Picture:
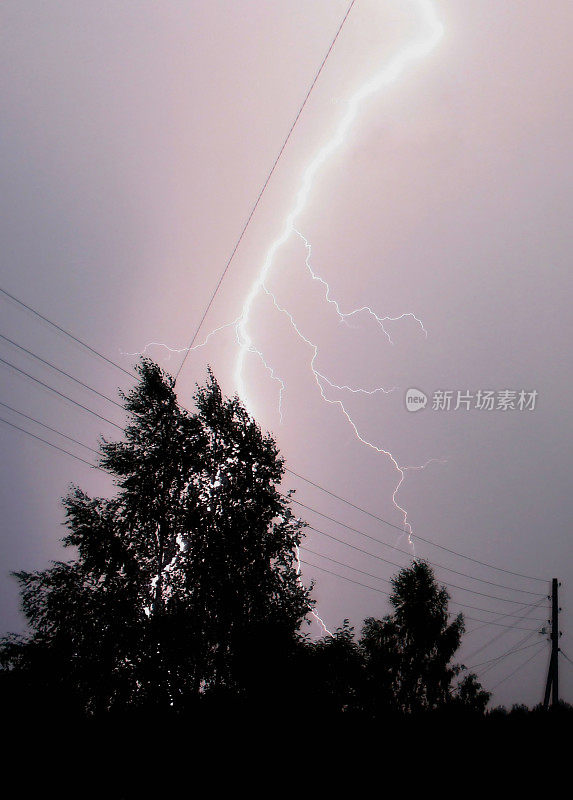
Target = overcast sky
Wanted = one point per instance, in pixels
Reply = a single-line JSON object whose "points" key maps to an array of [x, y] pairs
{"points": [[135, 137]]}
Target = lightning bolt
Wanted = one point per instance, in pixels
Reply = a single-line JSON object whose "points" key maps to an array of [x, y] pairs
{"points": [[313, 613], [179, 350], [345, 316], [421, 47], [431, 31]]}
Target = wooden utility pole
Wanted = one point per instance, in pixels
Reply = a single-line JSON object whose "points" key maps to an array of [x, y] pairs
{"points": [[552, 685]]}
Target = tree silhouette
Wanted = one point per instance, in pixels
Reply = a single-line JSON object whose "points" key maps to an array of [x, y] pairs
{"points": [[177, 577], [331, 673], [470, 695], [408, 654]]}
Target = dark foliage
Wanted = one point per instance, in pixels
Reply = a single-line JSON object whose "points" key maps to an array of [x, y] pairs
{"points": [[401, 664], [409, 653], [180, 577], [184, 602]]}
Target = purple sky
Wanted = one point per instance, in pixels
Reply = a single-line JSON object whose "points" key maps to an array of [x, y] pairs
{"points": [[135, 139]]}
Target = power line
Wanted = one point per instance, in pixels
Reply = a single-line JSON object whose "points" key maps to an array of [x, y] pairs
{"points": [[54, 430], [61, 371], [262, 191], [302, 561], [523, 616], [45, 441], [511, 674], [514, 649], [501, 625], [313, 483], [397, 549], [323, 533], [381, 591], [492, 666], [494, 662], [67, 333], [482, 623], [91, 388], [65, 396], [512, 626], [400, 566], [344, 578], [516, 646], [421, 538], [343, 564], [377, 577], [385, 580], [292, 472]]}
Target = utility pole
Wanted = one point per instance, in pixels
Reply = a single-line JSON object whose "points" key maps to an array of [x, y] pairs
{"points": [[552, 685]]}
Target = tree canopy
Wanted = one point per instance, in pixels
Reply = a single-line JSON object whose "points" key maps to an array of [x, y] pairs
{"points": [[185, 586], [181, 573], [409, 653], [400, 665]]}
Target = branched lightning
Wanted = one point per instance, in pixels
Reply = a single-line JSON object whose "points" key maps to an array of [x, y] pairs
{"points": [[344, 317], [431, 31], [422, 46], [179, 350]]}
